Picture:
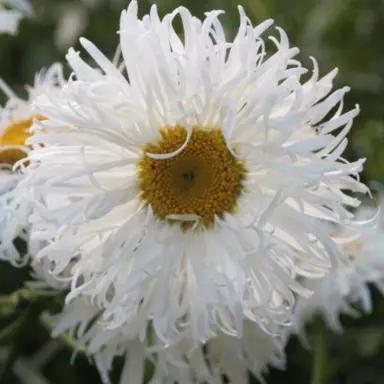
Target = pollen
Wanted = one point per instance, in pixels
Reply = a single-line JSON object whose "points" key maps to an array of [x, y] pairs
{"points": [[12, 137], [205, 179]]}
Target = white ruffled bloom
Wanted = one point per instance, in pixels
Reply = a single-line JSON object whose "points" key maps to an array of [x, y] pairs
{"points": [[200, 176], [346, 290], [181, 363], [11, 13], [16, 117]]}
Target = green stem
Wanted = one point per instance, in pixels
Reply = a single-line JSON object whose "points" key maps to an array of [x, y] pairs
{"points": [[10, 332], [6, 369], [19, 308], [320, 355], [64, 338], [11, 301]]}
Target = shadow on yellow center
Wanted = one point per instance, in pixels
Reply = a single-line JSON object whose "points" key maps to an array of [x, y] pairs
{"points": [[205, 179], [15, 135]]}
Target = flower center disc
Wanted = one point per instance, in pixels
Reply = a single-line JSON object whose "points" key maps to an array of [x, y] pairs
{"points": [[204, 179], [14, 135]]}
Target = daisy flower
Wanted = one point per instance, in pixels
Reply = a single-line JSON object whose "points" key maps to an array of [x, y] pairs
{"points": [[16, 117], [190, 184], [346, 290], [223, 358], [11, 12]]}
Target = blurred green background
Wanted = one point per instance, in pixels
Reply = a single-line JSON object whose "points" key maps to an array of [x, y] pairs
{"points": [[347, 34]]}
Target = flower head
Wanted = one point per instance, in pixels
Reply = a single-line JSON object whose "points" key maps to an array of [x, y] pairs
{"points": [[16, 118], [191, 184], [346, 290]]}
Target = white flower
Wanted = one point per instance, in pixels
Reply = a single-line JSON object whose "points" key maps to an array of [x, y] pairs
{"points": [[200, 176], [346, 290], [223, 356], [10, 17], [16, 117]]}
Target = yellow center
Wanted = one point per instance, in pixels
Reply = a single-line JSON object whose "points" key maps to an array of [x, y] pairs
{"points": [[204, 179], [14, 135]]}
